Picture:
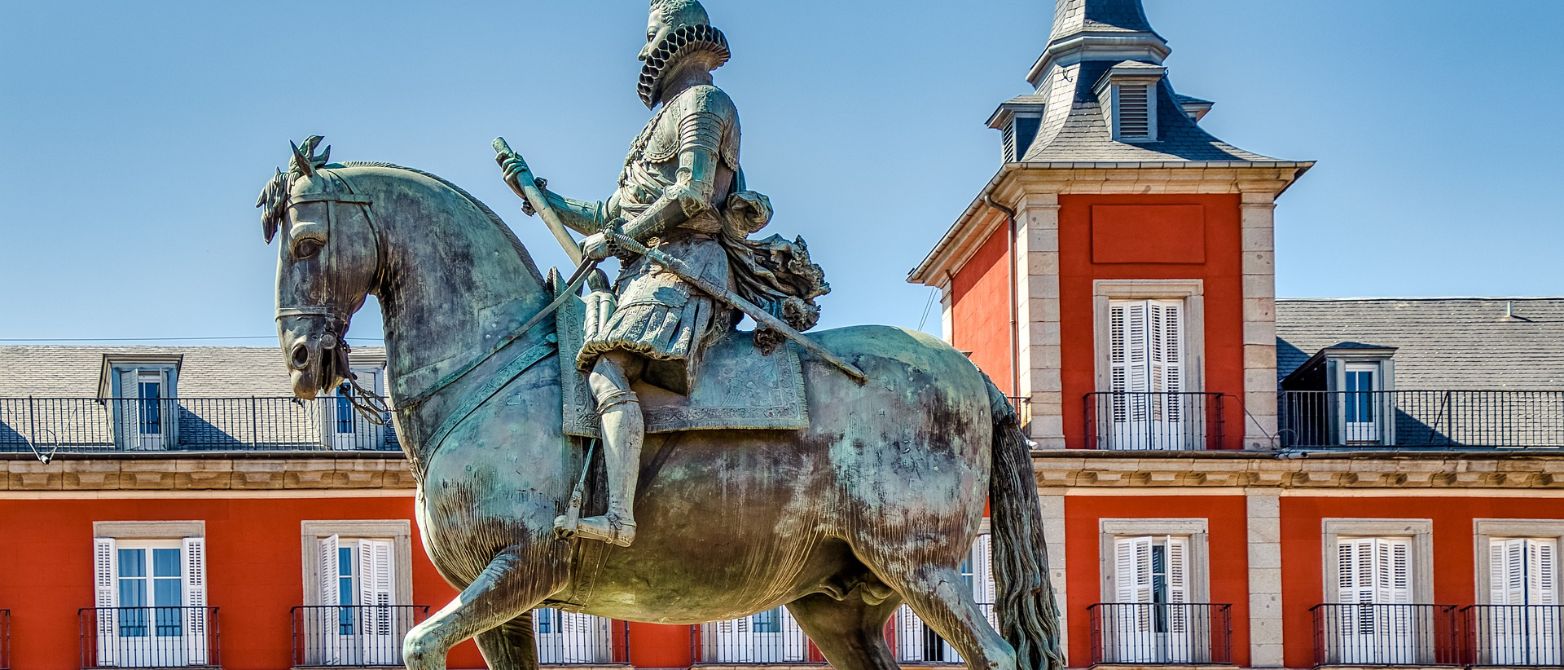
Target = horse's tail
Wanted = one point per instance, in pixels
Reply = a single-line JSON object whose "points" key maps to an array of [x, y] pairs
{"points": [[1028, 615]]}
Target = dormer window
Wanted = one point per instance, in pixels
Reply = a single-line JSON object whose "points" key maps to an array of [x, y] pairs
{"points": [[1019, 119], [1132, 113], [1343, 396], [1128, 96], [141, 396]]}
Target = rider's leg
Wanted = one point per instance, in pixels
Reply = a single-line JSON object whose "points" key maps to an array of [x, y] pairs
{"points": [[624, 431]]}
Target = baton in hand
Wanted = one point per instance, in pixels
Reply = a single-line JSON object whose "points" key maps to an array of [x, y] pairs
{"points": [[525, 185]]}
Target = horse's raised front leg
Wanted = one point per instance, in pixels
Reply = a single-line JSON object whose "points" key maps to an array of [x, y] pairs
{"points": [[850, 633], [510, 646], [512, 584]]}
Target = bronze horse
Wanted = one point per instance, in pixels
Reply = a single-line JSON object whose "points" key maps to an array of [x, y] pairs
{"points": [[874, 504]]}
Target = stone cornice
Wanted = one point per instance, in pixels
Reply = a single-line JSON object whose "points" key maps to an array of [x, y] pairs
{"points": [[1083, 469], [204, 474], [1016, 180]]}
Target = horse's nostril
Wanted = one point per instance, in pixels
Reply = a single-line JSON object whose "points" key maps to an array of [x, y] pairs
{"points": [[301, 356]]}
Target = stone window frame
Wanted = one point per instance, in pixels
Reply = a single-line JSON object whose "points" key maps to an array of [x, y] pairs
{"points": [[399, 531], [1196, 529], [1191, 291], [1485, 530], [149, 530], [1420, 530]]}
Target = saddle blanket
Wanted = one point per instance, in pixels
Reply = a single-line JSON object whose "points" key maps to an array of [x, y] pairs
{"points": [[736, 387]]}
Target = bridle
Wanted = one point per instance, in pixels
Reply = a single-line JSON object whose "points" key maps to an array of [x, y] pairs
{"points": [[364, 401]]}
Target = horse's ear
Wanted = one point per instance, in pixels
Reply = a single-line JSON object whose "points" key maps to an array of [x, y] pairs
{"points": [[301, 162]]}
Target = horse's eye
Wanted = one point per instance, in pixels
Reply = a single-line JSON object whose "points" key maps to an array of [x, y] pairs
{"points": [[306, 249]]}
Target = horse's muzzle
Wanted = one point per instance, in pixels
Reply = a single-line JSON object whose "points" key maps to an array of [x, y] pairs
{"points": [[311, 351]]}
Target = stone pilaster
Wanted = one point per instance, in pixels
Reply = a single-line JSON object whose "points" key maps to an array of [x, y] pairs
{"points": [[1037, 298], [1259, 286], [1265, 581], [947, 322], [1053, 537]]}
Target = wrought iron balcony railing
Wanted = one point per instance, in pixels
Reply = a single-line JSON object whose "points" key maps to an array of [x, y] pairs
{"points": [[1515, 635], [1422, 419], [1161, 633], [768, 638], [915, 643], [1370, 634], [1151, 421], [569, 638], [129, 425], [360, 636], [148, 637]]}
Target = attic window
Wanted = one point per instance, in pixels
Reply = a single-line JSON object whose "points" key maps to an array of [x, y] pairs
{"points": [[1134, 119]]}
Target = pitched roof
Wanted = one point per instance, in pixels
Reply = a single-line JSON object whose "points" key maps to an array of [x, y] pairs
{"points": [[1441, 343], [47, 371], [1075, 127]]}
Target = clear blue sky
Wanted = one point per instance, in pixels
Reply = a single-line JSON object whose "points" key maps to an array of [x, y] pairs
{"points": [[135, 136]]}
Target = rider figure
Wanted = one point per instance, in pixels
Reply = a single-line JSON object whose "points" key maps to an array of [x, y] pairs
{"points": [[674, 194]]}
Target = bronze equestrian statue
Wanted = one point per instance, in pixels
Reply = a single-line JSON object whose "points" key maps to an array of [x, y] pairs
{"points": [[872, 502], [682, 187]]}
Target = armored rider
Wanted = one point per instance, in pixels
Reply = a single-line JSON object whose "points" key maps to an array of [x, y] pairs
{"points": [[680, 191]]}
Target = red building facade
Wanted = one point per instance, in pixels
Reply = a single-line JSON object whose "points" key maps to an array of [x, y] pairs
{"points": [[1229, 479]]}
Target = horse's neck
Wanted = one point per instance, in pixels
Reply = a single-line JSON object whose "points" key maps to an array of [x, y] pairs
{"points": [[454, 288]]}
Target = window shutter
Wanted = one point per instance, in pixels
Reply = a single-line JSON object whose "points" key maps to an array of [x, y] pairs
{"points": [[323, 626], [375, 598], [792, 637], [1118, 358], [1134, 108], [1168, 353], [106, 598], [1549, 644], [1179, 634], [909, 634], [1400, 570], [983, 587], [195, 600], [1545, 590], [1507, 572], [127, 409]]}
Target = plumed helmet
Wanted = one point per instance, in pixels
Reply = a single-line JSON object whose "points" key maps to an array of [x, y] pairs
{"points": [[677, 30]]}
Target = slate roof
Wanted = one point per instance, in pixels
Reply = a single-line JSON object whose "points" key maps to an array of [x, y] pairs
{"points": [[205, 372], [1441, 343], [1101, 16], [1075, 128]]}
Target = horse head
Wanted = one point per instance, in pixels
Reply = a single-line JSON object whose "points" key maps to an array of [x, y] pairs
{"points": [[328, 262]]}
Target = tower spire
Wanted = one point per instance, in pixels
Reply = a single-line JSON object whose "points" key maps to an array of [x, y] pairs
{"points": [[1109, 30]]}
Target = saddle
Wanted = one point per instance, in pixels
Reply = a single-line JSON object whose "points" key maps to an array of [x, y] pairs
{"points": [[736, 386]]}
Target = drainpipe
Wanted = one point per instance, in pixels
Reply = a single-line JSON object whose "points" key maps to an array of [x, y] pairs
{"points": [[1015, 333]]}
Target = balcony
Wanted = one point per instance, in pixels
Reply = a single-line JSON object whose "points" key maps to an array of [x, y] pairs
{"points": [[148, 637], [1515, 635], [359, 636], [915, 643], [1154, 421], [570, 638], [126, 425], [1358, 634], [1161, 634], [1422, 419], [772, 637]]}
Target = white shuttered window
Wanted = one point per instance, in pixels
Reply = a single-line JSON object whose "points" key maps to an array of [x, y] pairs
{"points": [[1146, 358], [1523, 625], [1374, 622]]}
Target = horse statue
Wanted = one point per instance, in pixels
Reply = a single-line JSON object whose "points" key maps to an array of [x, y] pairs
{"points": [[874, 503]]}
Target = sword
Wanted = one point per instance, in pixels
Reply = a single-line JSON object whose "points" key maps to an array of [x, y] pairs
{"points": [[525, 185], [731, 299]]}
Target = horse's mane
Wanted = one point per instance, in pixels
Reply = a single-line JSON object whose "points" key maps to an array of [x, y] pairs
{"points": [[526, 257]]}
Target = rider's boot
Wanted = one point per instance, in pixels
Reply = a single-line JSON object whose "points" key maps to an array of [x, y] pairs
{"points": [[624, 431]]}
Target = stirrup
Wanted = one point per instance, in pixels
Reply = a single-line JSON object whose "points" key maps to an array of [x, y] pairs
{"points": [[619, 533]]}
